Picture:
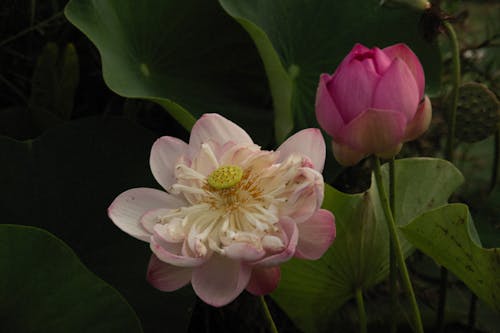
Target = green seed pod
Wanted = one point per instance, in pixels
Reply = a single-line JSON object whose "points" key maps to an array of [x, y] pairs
{"points": [[478, 113]]}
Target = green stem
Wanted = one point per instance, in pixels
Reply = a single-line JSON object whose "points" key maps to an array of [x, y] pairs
{"points": [[268, 316], [455, 80], [397, 247], [361, 311], [393, 268], [450, 146]]}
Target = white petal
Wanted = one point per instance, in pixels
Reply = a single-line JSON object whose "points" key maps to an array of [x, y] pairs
{"points": [[164, 155], [128, 208]]}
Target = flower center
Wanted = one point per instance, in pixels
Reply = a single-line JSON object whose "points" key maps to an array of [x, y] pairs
{"points": [[225, 177]]}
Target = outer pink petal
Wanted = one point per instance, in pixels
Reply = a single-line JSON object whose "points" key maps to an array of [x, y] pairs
{"points": [[316, 235], [406, 54], [374, 131], [327, 112], [214, 127], [352, 88], [220, 280], [346, 155], [397, 90], [308, 142], [128, 208], [291, 230], [164, 153], [420, 123], [168, 253], [264, 280], [166, 277]]}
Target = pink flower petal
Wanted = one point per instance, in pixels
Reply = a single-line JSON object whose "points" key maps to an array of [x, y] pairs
{"points": [[164, 154], [291, 231], [374, 131], [264, 280], [243, 251], [406, 54], [352, 88], [166, 277], [128, 208], [397, 90], [356, 50], [308, 142], [220, 280], [420, 123], [213, 127], [346, 155], [170, 252], [327, 112], [381, 60], [316, 235]]}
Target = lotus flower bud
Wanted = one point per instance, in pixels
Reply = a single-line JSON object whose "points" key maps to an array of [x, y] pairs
{"points": [[373, 103]]}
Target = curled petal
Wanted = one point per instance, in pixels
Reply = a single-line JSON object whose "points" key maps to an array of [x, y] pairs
{"points": [[308, 142], [170, 253], [346, 155], [166, 277], [374, 131], [213, 127], [220, 280], [243, 251], [307, 198], [164, 153], [397, 90], [291, 232], [263, 280], [316, 235], [151, 218], [420, 123], [406, 54], [327, 112], [128, 208]]}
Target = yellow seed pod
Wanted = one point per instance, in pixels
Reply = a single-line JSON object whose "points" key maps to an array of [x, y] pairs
{"points": [[225, 177]]}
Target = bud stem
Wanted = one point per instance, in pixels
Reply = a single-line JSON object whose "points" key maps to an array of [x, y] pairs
{"points": [[267, 313], [361, 311], [417, 321], [393, 267], [449, 151]]}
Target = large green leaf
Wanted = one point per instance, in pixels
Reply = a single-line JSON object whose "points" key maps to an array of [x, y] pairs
{"points": [[299, 39], [447, 235], [189, 56], [358, 257], [45, 288], [64, 181]]}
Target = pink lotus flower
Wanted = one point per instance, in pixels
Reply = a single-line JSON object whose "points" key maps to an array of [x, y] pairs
{"points": [[373, 102], [231, 212]]}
